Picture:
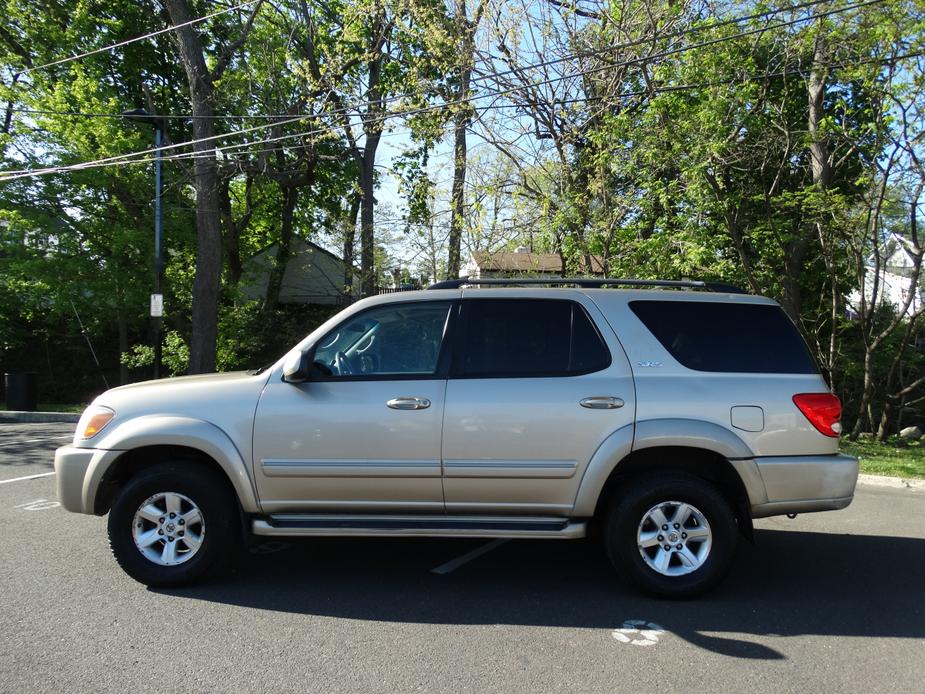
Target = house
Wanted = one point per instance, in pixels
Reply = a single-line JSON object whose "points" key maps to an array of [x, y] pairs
{"points": [[896, 274], [519, 263], [313, 275]]}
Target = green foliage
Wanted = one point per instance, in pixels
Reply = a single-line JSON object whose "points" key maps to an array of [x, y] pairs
{"points": [[250, 337], [174, 355], [139, 356], [411, 168], [661, 162]]}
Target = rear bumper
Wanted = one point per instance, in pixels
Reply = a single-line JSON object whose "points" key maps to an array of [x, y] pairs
{"points": [[806, 483]]}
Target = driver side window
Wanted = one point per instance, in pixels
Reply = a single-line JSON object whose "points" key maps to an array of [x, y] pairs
{"points": [[402, 339]]}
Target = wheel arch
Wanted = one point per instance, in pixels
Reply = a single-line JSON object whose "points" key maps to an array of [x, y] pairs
{"points": [[146, 441], [698, 462], [701, 449]]}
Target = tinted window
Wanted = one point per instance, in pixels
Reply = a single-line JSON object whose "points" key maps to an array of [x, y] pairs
{"points": [[400, 339], [708, 336], [510, 337]]}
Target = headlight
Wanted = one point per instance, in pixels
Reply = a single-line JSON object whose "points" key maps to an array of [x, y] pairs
{"points": [[93, 420]]}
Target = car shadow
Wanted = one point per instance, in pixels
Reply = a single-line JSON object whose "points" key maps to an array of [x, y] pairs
{"points": [[789, 583]]}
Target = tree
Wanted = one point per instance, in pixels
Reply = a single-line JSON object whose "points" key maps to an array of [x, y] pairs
{"points": [[391, 55], [85, 242], [465, 32], [566, 85], [202, 82]]}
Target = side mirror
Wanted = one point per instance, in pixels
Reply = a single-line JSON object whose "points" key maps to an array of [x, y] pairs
{"points": [[297, 367]]}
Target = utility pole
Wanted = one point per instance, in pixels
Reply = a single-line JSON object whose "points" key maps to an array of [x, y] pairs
{"points": [[157, 298]]}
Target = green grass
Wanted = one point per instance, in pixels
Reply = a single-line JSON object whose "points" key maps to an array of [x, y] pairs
{"points": [[893, 458]]}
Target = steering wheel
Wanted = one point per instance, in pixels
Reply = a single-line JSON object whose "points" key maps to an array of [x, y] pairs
{"points": [[369, 343], [341, 365]]}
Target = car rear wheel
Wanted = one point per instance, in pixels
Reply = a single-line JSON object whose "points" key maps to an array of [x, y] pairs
{"points": [[172, 524], [673, 536]]}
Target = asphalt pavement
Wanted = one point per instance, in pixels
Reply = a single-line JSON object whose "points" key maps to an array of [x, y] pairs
{"points": [[823, 603]]}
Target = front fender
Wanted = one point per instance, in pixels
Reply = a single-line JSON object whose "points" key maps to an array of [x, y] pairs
{"points": [[158, 430]]}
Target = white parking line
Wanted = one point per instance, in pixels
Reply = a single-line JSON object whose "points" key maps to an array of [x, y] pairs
{"points": [[468, 556], [50, 438], [27, 477]]}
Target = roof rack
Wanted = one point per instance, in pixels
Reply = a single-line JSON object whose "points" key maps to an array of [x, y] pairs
{"points": [[590, 283]]}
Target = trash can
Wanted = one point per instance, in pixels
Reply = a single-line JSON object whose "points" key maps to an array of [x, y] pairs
{"points": [[21, 391]]}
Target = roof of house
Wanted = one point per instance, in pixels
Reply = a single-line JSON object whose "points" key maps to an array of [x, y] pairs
{"points": [[512, 261], [310, 245]]}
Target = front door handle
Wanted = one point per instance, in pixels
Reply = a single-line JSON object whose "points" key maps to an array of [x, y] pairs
{"points": [[409, 403], [602, 403]]}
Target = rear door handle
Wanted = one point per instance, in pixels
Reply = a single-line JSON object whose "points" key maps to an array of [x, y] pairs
{"points": [[409, 403], [602, 403]]}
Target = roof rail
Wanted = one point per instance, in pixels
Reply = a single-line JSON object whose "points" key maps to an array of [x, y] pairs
{"points": [[590, 283]]}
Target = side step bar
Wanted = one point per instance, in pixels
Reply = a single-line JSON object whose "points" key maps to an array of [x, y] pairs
{"points": [[419, 526]]}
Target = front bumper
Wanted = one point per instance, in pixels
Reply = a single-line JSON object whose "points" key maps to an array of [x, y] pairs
{"points": [[805, 483], [71, 465]]}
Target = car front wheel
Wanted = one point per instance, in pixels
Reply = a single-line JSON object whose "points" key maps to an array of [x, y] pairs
{"points": [[172, 524]]}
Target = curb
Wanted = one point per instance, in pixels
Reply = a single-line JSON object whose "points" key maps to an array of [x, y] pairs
{"points": [[39, 417], [896, 482]]}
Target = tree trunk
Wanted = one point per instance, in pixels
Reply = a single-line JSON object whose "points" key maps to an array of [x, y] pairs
{"points": [[350, 232], [466, 30], [822, 178], [866, 395], [206, 182], [578, 186], [123, 347], [367, 213], [815, 88], [792, 301], [883, 430], [234, 227], [283, 248], [459, 189], [372, 129]]}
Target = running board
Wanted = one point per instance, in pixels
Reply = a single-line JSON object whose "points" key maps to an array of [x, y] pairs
{"points": [[419, 526]]}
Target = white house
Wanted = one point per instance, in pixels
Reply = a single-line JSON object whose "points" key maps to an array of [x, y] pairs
{"points": [[896, 275]]}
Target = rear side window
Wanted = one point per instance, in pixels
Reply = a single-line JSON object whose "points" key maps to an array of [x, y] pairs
{"points": [[709, 336], [528, 337]]}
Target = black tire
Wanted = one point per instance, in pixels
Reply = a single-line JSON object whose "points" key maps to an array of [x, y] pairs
{"points": [[631, 506], [218, 509]]}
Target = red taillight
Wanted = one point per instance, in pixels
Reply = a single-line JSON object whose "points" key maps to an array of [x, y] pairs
{"points": [[823, 410]]}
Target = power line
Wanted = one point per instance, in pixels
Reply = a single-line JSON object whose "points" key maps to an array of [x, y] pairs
{"points": [[703, 44], [676, 34], [84, 114], [153, 150], [120, 44], [757, 77], [624, 95], [11, 175], [562, 102], [477, 78]]}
